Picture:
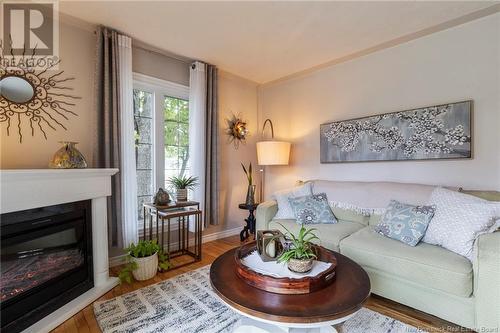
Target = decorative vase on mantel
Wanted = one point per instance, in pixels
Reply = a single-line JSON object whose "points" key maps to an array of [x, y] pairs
{"points": [[68, 157], [250, 195]]}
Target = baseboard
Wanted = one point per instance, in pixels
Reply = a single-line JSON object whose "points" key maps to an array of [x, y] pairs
{"points": [[120, 260]]}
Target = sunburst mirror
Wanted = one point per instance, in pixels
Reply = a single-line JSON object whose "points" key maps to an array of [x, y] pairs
{"points": [[34, 100]]}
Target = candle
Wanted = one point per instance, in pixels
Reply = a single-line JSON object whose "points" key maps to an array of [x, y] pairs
{"points": [[271, 248]]}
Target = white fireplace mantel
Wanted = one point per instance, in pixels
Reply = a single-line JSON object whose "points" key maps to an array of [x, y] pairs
{"points": [[27, 189]]}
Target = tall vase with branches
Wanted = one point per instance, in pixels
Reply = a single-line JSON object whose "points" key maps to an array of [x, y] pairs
{"points": [[250, 200]]}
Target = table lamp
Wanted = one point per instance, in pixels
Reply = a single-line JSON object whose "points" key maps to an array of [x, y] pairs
{"points": [[271, 152]]}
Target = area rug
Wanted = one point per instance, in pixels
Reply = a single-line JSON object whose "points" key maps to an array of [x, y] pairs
{"points": [[187, 304]]}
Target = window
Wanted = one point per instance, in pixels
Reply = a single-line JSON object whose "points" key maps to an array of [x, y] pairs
{"points": [[161, 129], [143, 134], [176, 137]]}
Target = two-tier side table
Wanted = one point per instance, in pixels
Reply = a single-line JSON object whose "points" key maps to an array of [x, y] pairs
{"points": [[180, 223]]}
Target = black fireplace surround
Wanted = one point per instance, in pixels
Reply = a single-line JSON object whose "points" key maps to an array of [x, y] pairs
{"points": [[46, 261]]}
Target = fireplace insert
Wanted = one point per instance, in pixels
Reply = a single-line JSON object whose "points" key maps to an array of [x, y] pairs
{"points": [[46, 261]]}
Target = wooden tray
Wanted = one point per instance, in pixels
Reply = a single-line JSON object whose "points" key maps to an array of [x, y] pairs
{"points": [[285, 285]]}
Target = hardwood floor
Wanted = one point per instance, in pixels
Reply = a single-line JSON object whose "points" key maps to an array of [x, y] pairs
{"points": [[84, 321]]}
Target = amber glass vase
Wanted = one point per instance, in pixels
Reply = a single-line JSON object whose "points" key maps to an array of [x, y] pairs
{"points": [[68, 157]]}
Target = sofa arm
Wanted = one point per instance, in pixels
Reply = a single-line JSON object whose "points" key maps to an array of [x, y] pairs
{"points": [[487, 282], [265, 213]]}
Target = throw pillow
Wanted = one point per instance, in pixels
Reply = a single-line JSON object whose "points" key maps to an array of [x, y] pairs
{"points": [[405, 223], [312, 209], [459, 220], [284, 209]]}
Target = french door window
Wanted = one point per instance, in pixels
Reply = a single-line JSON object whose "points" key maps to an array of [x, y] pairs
{"points": [[161, 130]]}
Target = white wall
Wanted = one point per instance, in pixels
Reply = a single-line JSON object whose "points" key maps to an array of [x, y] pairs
{"points": [[157, 65], [453, 65], [77, 52], [238, 96]]}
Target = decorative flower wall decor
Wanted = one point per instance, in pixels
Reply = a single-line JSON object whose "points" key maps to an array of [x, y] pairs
{"points": [[37, 99], [433, 132], [237, 130]]}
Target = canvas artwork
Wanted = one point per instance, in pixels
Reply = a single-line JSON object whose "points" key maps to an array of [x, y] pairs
{"points": [[433, 132]]}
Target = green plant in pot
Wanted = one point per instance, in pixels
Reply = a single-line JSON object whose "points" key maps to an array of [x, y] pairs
{"points": [[143, 261], [300, 253], [182, 184], [250, 200]]}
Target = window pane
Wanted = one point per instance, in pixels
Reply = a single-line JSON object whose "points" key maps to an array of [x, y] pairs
{"points": [[171, 157], [144, 182], [144, 157], [183, 111], [143, 105], [171, 133], [171, 108], [143, 127], [183, 134], [176, 137], [183, 160], [140, 211]]}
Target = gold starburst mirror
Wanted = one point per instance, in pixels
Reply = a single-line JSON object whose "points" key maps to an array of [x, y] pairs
{"points": [[33, 100], [236, 130]]}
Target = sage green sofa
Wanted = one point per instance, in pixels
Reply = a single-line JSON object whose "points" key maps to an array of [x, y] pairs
{"points": [[425, 277]]}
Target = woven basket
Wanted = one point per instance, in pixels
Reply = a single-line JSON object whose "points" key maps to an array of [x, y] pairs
{"points": [[146, 267], [182, 194]]}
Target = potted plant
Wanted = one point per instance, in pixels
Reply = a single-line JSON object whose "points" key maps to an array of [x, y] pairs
{"points": [[300, 254], [250, 200], [182, 184], [143, 261]]}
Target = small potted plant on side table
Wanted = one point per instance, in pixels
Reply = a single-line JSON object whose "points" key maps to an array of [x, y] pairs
{"points": [[182, 184], [300, 254], [143, 261]]}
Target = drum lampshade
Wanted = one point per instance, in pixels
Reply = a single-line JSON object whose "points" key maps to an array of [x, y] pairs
{"points": [[273, 152]]}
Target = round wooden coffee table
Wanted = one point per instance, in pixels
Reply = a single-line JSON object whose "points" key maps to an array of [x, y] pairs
{"points": [[314, 312]]}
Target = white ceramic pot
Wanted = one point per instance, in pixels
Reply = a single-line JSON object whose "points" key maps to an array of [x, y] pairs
{"points": [[182, 194], [146, 267]]}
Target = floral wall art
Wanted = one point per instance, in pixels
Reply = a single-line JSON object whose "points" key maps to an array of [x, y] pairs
{"points": [[433, 132]]}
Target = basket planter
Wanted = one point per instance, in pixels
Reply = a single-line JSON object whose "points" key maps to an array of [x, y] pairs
{"points": [[300, 265], [182, 194], [146, 267]]}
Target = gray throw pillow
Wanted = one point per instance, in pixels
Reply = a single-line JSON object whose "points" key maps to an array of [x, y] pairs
{"points": [[312, 209], [405, 223]]}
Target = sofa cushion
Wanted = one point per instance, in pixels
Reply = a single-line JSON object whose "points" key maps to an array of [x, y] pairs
{"points": [[351, 213], [428, 265], [329, 234]]}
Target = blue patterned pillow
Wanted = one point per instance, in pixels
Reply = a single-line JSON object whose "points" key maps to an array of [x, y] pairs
{"points": [[405, 223], [312, 209]]}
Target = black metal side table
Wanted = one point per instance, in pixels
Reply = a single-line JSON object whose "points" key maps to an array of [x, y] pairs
{"points": [[249, 228]]}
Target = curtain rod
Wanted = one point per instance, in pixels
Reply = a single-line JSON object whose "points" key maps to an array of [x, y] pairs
{"points": [[188, 62]]}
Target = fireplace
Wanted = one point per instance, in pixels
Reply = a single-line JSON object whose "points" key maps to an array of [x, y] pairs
{"points": [[46, 261]]}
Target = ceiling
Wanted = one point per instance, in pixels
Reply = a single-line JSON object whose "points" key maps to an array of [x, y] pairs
{"points": [[264, 41]]}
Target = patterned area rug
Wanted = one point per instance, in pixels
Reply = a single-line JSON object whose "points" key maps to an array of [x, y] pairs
{"points": [[187, 304]]}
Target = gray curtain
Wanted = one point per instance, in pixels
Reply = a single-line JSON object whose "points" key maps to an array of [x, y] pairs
{"points": [[212, 158], [107, 151]]}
